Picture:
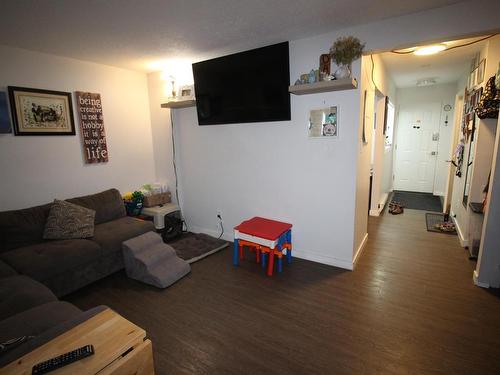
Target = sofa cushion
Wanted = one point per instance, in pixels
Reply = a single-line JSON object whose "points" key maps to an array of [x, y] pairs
{"points": [[111, 235], [6, 270], [50, 258], [19, 293], [22, 227], [36, 320], [108, 205], [68, 220]]}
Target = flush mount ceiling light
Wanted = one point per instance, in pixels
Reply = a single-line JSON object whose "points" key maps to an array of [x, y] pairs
{"points": [[429, 50], [426, 81]]}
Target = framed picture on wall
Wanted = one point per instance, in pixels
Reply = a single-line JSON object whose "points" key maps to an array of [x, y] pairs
{"points": [[41, 112], [323, 123], [480, 71]]}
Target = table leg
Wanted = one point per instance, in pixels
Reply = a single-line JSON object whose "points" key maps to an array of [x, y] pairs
{"points": [[289, 249], [271, 263], [236, 251], [257, 254], [264, 260], [280, 264]]}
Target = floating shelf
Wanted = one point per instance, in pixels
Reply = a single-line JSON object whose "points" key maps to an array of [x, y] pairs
{"points": [[179, 104], [324, 86]]}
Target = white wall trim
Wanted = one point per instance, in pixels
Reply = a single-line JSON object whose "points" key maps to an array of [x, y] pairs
{"points": [[360, 250], [463, 242], [475, 277], [324, 259]]}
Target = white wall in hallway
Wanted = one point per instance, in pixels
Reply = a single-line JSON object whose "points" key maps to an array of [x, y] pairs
{"points": [[442, 94]]}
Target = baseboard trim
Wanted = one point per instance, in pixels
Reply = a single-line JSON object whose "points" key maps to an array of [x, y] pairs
{"points": [[475, 277], [360, 250], [323, 259], [461, 239]]}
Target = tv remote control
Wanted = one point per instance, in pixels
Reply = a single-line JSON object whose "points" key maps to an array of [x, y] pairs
{"points": [[63, 360]]}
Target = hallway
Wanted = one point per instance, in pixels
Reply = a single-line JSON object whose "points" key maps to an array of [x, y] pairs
{"points": [[410, 307]]}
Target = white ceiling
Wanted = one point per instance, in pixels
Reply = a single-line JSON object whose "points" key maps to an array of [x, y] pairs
{"points": [[138, 34], [446, 67]]}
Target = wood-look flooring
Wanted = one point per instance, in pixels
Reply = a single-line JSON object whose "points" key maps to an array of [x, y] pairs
{"points": [[410, 307]]}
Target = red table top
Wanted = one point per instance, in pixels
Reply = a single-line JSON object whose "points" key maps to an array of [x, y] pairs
{"points": [[263, 228]]}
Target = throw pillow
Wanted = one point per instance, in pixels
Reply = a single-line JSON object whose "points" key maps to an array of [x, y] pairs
{"points": [[67, 221]]}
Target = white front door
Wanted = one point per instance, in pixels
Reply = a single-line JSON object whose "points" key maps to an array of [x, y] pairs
{"points": [[416, 147]]}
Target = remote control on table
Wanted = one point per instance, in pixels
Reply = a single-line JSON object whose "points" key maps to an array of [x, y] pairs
{"points": [[63, 360]]}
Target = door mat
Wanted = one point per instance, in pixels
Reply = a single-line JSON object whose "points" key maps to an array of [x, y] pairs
{"points": [[195, 246], [418, 201], [436, 223]]}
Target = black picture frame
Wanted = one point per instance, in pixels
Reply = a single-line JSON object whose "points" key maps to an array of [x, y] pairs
{"points": [[48, 113]]}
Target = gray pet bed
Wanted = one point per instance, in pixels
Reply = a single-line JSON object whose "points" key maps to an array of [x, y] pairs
{"points": [[153, 262]]}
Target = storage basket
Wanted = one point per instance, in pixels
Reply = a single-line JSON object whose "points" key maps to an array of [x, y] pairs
{"points": [[156, 199]]}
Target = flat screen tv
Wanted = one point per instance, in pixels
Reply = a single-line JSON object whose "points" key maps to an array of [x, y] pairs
{"points": [[250, 86]]}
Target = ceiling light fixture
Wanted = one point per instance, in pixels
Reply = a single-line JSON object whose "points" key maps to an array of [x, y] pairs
{"points": [[429, 50], [426, 81]]}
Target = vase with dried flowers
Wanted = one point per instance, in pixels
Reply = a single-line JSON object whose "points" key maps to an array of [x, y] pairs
{"points": [[344, 51]]}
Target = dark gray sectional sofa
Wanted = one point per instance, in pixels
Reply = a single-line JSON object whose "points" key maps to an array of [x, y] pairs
{"points": [[34, 272], [67, 265]]}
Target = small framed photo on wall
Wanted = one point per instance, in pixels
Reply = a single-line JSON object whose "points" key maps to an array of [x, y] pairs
{"points": [[324, 123], [41, 112]]}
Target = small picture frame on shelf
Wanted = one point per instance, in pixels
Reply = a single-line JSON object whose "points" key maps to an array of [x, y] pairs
{"points": [[186, 92]]}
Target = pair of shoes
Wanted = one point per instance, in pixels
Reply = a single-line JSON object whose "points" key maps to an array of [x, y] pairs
{"points": [[396, 208], [445, 226]]}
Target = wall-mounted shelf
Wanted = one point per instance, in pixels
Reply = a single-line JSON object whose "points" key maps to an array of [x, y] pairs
{"points": [[179, 104], [324, 86]]}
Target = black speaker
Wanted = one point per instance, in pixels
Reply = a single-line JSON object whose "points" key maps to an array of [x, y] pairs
{"points": [[173, 226]]}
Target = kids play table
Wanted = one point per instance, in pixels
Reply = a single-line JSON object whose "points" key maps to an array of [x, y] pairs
{"points": [[268, 237]]}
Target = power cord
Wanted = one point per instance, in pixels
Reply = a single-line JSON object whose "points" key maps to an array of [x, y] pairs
{"points": [[184, 223], [221, 226], [449, 49]]}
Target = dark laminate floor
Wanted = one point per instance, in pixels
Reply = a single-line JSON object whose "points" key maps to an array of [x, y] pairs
{"points": [[409, 308]]}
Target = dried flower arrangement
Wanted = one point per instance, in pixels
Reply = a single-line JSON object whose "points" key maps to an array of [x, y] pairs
{"points": [[346, 49]]}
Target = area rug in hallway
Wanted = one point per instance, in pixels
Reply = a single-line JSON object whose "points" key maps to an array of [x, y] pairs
{"points": [[195, 246], [435, 223], [418, 201]]}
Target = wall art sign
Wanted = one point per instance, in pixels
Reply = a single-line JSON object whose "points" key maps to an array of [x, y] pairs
{"points": [[4, 114], [323, 123], [95, 149], [41, 112]]}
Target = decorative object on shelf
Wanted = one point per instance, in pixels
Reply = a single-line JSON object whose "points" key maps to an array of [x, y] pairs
{"points": [[489, 102], [325, 62], [133, 202], [173, 93], [312, 76], [41, 112], [186, 92], [343, 52], [5, 126], [89, 106], [480, 72], [298, 82], [304, 78], [324, 122]]}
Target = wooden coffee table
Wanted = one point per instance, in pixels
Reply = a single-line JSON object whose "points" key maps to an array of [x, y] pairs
{"points": [[120, 347]]}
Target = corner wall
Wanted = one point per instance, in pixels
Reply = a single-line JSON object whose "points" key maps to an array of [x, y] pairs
{"points": [[36, 169]]}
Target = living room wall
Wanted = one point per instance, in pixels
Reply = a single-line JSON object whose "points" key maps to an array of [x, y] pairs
{"points": [[274, 170], [37, 169]]}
